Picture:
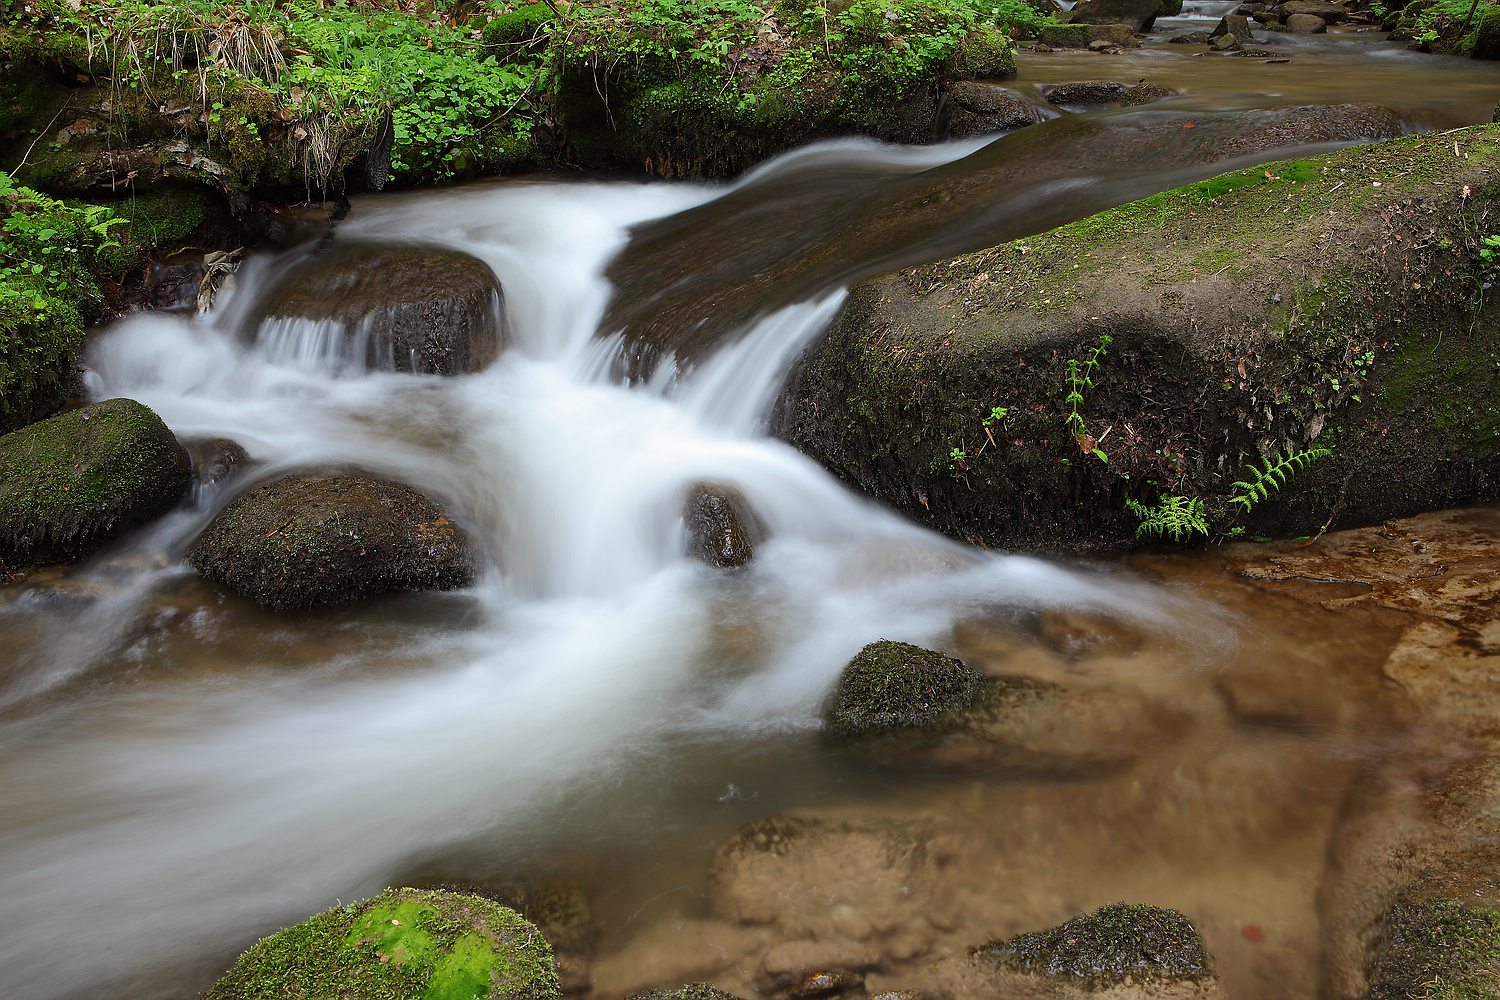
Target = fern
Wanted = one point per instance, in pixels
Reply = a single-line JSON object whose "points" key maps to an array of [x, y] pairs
{"points": [[1177, 518], [1081, 377], [1272, 474]]}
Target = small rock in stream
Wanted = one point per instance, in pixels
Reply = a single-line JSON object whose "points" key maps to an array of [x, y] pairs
{"points": [[721, 529]]}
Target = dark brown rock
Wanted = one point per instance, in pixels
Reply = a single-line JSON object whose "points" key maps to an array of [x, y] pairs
{"points": [[215, 459], [1087, 92], [1306, 24], [980, 108], [307, 541], [1139, 14], [721, 529], [893, 686], [403, 308], [1233, 24]]}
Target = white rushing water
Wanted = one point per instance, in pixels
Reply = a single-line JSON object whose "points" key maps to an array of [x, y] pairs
{"points": [[149, 822]]}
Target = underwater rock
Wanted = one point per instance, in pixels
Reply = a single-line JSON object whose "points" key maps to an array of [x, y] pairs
{"points": [[71, 483], [428, 310], [693, 991], [1113, 944], [311, 540], [402, 943]]}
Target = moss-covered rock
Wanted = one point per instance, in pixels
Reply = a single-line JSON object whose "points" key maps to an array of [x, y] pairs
{"points": [[895, 685], [722, 531], [1331, 302], [1437, 948], [1113, 944], [399, 308], [1066, 36], [976, 108], [307, 541], [405, 943], [693, 991], [71, 483]]}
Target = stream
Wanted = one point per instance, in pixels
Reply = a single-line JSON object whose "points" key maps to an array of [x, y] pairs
{"points": [[185, 773]]}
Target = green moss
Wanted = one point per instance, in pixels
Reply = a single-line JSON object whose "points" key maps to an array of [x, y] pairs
{"points": [[520, 26], [693, 991], [983, 53], [895, 685], [1483, 41], [1066, 36], [1113, 943], [1438, 949], [404, 944]]}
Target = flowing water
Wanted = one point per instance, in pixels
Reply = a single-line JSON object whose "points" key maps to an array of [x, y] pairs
{"points": [[184, 773]]}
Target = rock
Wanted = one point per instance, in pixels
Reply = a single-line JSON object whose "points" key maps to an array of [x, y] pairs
{"points": [[400, 308], [1233, 24], [1436, 948], [404, 942], [1078, 634], [1409, 441], [1190, 38], [983, 53], [895, 685], [70, 484], [694, 991], [1306, 24], [1138, 14], [1067, 36], [1102, 46], [721, 529], [827, 983], [1227, 43], [1145, 93], [1113, 944], [173, 286], [981, 108], [215, 459], [1115, 34], [1086, 92], [306, 541], [774, 871], [1332, 13]]}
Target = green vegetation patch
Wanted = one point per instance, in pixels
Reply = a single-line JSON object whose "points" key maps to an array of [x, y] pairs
{"points": [[1439, 950], [405, 944]]}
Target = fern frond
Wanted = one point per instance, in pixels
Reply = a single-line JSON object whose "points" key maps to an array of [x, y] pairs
{"points": [[1272, 475], [1177, 518]]}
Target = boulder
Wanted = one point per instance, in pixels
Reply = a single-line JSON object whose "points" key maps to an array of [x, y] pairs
{"points": [[981, 108], [1068, 36], [402, 943], [1086, 92], [215, 460], [306, 541], [1114, 944], [70, 484], [1138, 14], [1216, 310], [893, 686], [721, 529], [1190, 38], [1233, 24], [427, 310], [1228, 43], [1331, 13], [1145, 93], [1306, 24], [693, 991]]}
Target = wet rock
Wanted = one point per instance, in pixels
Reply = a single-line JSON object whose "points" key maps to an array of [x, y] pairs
{"points": [[825, 983], [1332, 13], [1437, 948], [173, 286], [404, 942], [561, 911], [1190, 38], [427, 310], [1113, 944], [70, 484], [1075, 634], [1068, 36], [1138, 14], [1086, 92], [1145, 93], [308, 541], [1233, 24], [1306, 24], [980, 108], [895, 685], [1227, 43], [693, 991], [1115, 34], [215, 459], [721, 529]]}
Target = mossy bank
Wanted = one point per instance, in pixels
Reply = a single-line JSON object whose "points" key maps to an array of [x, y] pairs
{"points": [[1030, 394]]}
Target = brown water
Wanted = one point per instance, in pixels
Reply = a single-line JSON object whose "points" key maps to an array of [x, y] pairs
{"points": [[185, 773]]}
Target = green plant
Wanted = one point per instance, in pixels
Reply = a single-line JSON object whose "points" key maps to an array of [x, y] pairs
{"points": [[1489, 253], [1177, 518], [1080, 376], [1271, 475]]}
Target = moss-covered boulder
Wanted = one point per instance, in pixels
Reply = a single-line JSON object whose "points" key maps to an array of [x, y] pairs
{"points": [[895, 685], [405, 943], [417, 309], [1437, 948], [306, 541], [1143, 360], [722, 531], [70, 484], [1113, 944], [1139, 14]]}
